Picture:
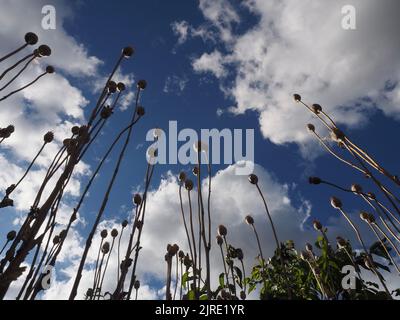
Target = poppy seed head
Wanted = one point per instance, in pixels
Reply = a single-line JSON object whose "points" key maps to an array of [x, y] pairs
{"points": [[121, 87], [44, 50], [56, 239], [195, 170], [75, 130], [128, 52], [182, 176], [336, 203], [316, 108], [50, 69], [311, 127], [253, 179], [136, 285], [11, 235], [341, 243], [297, 97], [249, 220], [137, 199], [222, 231], [140, 111], [111, 86], [189, 185], [371, 195], [31, 38], [309, 247], [356, 188], [317, 225], [371, 218], [314, 180], [219, 240], [142, 84], [104, 233], [106, 248], [114, 233], [48, 137], [124, 223]]}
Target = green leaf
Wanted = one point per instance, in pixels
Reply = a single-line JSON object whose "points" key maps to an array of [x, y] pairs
{"points": [[239, 274], [185, 279], [204, 297], [222, 279], [191, 295]]}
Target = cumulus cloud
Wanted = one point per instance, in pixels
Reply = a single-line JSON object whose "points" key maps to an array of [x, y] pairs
{"points": [[301, 47], [175, 84]]}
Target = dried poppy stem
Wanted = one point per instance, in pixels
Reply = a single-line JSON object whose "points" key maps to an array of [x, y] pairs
{"points": [[336, 203], [18, 74], [124, 224], [108, 258], [31, 55], [193, 240], [317, 279], [176, 275], [24, 87], [168, 259], [374, 224], [103, 205], [254, 180], [220, 241], [382, 244], [184, 221], [30, 39]]}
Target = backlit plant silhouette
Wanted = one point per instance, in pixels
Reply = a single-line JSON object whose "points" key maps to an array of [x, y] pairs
{"points": [[312, 272]]}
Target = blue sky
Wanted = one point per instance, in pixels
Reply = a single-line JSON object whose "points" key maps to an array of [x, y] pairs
{"points": [[350, 83]]}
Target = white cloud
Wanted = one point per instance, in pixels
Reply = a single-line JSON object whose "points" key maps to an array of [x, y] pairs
{"points": [[301, 47], [210, 62], [175, 84]]}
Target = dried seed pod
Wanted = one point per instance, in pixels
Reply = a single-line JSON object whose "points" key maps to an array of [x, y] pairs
{"points": [[317, 225], [364, 216], [106, 112], [50, 69], [11, 235], [371, 195], [105, 248], [10, 189], [316, 108], [104, 233], [137, 199], [44, 50], [56, 239], [249, 220], [124, 223], [136, 285], [142, 84], [114, 233], [253, 179], [222, 231], [314, 180], [139, 224], [182, 176], [181, 254], [239, 254], [189, 185], [48, 137], [140, 111], [63, 234], [304, 255], [336, 203], [219, 240], [311, 127], [337, 135], [242, 295], [309, 247], [195, 171], [111, 86], [175, 249], [75, 130], [356, 188], [121, 86], [31, 38], [341, 243], [10, 128], [89, 293], [297, 97], [128, 52], [186, 261]]}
